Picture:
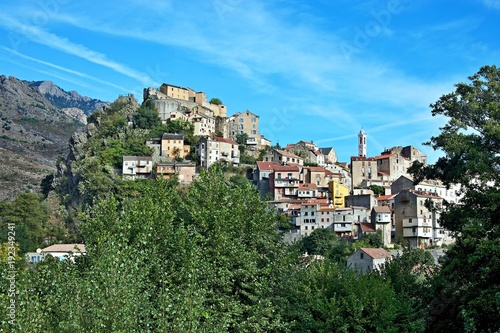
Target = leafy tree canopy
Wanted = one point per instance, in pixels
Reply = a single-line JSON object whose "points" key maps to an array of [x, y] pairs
{"points": [[29, 214], [466, 294], [146, 117], [377, 189], [215, 101]]}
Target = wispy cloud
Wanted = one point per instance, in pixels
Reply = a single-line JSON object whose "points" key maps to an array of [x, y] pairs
{"points": [[492, 3], [41, 36], [54, 74], [67, 70]]}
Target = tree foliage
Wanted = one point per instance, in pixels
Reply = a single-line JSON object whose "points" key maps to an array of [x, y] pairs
{"points": [[327, 297], [467, 293], [377, 189], [205, 260], [146, 117], [215, 101], [30, 215]]}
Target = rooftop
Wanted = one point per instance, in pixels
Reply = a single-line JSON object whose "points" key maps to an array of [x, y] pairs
{"points": [[376, 253], [65, 248]]}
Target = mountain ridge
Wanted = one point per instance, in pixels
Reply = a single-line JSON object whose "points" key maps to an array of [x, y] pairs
{"points": [[63, 99], [35, 132]]}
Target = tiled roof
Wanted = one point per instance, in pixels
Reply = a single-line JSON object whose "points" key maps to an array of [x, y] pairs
{"points": [[326, 151], [226, 140], [376, 253], [384, 156], [137, 158], [287, 154], [65, 248], [172, 136], [367, 227], [314, 202], [381, 209], [308, 186], [290, 168], [316, 169], [385, 197], [268, 166]]}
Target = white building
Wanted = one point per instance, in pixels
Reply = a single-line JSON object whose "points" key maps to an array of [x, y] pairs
{"points": [[137, 167], [367, 260]]}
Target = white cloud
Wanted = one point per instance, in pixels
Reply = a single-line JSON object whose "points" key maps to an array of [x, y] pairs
{"points": [[492, 3], [41, 36], [67, 70]]}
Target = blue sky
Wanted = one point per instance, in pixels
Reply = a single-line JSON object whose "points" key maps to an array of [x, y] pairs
{"points": [[313, 70]]}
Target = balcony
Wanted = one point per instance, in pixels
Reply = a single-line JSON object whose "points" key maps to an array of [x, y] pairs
{"points": [[417, 222], [419, 232], [166, 171], [286, 183]]}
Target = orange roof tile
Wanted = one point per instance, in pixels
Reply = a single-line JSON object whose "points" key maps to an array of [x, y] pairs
{"points": [[376, 253]]}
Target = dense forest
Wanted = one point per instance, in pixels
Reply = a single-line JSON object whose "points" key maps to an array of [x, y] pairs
{"points": [[209, 257]]}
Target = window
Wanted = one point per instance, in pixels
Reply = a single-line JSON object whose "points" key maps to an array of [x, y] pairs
{"points": [[361, 255], [342, 225], [312, 213], [410, 220], [254, 120], [279, 175], [241, 120]]}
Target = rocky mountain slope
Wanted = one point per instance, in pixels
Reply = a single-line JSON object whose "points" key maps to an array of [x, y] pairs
{"points": [[67, 101], [34, 133]]}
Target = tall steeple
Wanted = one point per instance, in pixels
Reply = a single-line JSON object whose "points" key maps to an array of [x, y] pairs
{"points": [[362, 143]]}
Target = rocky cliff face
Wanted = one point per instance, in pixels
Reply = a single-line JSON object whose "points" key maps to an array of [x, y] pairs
{"points": [[34, 133], [63, 99]]}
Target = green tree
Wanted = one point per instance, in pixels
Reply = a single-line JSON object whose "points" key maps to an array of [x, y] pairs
{"points": [[146, 117], [328, 297], [467, 293], [377, 189], [324, 242], [30, 215], [215, 101], [242, 138], [203, 259]]}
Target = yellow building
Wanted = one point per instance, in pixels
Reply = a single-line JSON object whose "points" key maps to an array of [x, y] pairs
{"points": [[337, 193], [172, 145], [177, 92]]}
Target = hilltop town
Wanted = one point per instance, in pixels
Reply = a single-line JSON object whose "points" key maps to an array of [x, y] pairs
{"points": [[304, 182], [179, 207]]}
